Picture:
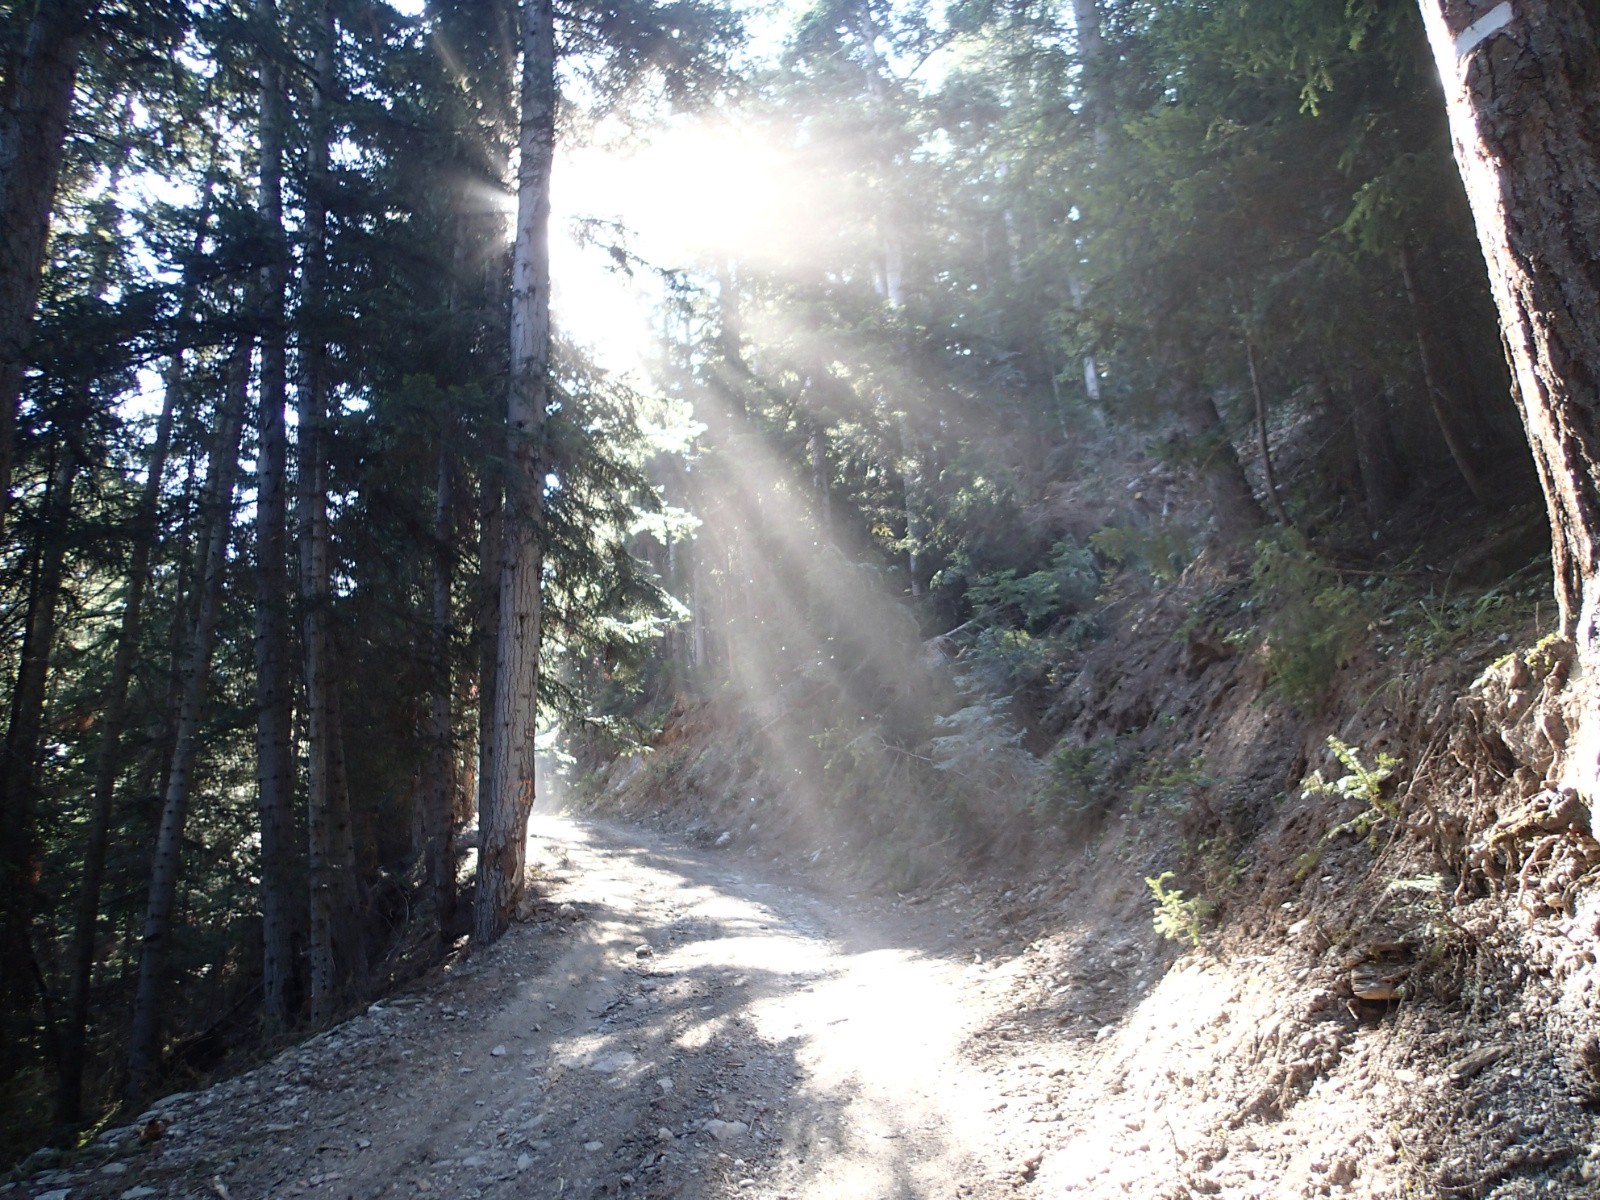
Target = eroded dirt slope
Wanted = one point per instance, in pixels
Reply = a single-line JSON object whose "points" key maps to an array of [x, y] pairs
{"points": [[672, 1023], [676, 1021]]}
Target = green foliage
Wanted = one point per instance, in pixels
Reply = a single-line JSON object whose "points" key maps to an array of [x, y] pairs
{"points": [[1004, 661], [1313, 618], [1040, 598], [1177, 917], [1437, 624], [1083, 780], [1221, 865], [1170, 787], [981, 752], [1161, 550], [1361, 783]]}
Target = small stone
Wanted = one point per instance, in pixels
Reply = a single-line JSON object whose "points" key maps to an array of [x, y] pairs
{"points": [[472, 1160], [114, 1168], [666, 1085], [524, 1161], [725, 1131], [643, 950], [136, 1193], [424, 1186], [58, 1194], [591, 1147], [498, 1052], [664, 1135]]}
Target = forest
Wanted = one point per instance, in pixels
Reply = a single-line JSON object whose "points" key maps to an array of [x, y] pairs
{"points": [[411, 410]]}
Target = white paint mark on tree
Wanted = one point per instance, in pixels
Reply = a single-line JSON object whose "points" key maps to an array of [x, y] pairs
{"points": [[1474, 35]]}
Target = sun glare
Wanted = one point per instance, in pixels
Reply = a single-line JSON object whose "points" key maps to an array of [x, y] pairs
{"points": [[696, 193]]}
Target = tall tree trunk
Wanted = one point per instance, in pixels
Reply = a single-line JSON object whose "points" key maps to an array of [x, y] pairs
{"points": [[35, 103], [911, 501], [1233, 505], [487, 630], [821, 470], [1427, 361], [1383, 478], [503, 825], [1091, 62], [283, 909], [114, 714], [438, 809], [20, 753], [108, 763], [144, 1038], [335, 948], [1522, 87], [1092, 67], [1269, 478]]}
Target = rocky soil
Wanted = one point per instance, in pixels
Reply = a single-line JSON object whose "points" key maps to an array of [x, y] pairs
{"points": [[677, 1021]]}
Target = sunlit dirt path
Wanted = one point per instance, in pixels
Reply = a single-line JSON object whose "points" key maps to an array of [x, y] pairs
{"points": [[673, 1022]]}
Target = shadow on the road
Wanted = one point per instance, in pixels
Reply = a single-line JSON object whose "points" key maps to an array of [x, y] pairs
{"points": [[790, 1045]]}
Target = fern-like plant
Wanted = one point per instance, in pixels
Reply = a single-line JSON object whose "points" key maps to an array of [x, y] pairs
{"points": [[1177, 917], [1360, 782]]}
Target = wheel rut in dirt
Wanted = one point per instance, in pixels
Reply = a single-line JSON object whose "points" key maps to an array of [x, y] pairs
{"points": [[669, 1022]]}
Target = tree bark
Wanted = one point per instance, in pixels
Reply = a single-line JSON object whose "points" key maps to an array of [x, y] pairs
{"points": [[438, 809], [1427, 362], [1234, 508], [19, 755], [335, 946], [108, 763], [144, 1039], [1091, 62], [503, 825], [35, 104], [487, 630], [1269, 478], [1522, 88], [283, 913]]}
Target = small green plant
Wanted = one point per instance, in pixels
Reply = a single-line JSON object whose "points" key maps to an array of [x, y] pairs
{"points": [[1222, 867], [1361, 783], [1366, 784], [1307, 863], [1316, 619], [1547, 653], [1079, 780], [1171, 787], [1160, 551], [1177, 917]]}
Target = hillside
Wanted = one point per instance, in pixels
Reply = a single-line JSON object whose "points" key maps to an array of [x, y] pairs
{"points": [[1102, 496], [1376, 985], [1375, 989]]}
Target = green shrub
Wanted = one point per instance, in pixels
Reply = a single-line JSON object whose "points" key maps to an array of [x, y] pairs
{"points": [[1316, 618], [1161, 550], [1177, 917], [1359, 783], [1079, 780], [1039, 599]]}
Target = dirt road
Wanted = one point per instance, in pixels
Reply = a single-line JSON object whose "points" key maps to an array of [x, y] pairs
{"points": [[675, 1022]]}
